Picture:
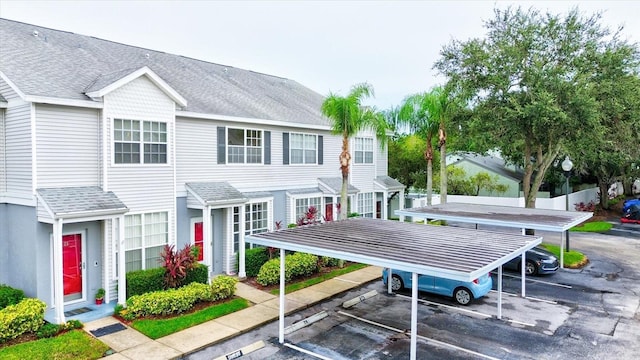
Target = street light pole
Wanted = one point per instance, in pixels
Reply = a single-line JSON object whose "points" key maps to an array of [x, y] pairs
{"points": [[567, 165]]}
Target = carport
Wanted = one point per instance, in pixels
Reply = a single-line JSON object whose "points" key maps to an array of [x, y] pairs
{"points": [[508, 216], [450, 252]]}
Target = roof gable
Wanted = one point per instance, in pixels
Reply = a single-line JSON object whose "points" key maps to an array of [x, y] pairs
{"points": [[105, 84]]}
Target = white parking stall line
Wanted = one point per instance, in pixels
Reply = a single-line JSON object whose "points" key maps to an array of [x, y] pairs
{"points": [[473, 312], [243, 351], [528, 297], [434, 341], [305, 351], [540, 281]]}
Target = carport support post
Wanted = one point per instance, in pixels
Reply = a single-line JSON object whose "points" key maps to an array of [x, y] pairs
{"points": [[414, 315], [523, 263], [562, 250], [389, 278], [500, 292], [282, 299]]}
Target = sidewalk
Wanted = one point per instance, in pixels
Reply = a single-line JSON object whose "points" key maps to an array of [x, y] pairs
{"points": [[130, 344]]}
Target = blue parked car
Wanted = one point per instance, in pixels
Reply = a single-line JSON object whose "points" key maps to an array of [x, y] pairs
{"points": [[462, 292]]}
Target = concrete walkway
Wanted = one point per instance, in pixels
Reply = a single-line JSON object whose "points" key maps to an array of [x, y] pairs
{"points": [[130, 344]]}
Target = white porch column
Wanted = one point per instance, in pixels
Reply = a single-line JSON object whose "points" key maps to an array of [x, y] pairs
{"points": [[334, 204], [385, 211], [106, 268], [58, 288], [401, 204], [242, 272], [207, 240], [122, 270]]}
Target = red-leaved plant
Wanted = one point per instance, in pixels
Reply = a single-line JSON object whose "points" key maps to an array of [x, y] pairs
{"points": [[311, 216], [176, 264]]}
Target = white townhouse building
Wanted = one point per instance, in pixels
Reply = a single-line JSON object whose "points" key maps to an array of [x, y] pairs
{"points": [[108, 152]]}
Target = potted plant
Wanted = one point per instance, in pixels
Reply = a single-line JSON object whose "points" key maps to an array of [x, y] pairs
{"points": [[99, 296]]}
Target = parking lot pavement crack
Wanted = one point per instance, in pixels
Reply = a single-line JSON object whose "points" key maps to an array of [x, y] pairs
{"points": [[613, 331]]}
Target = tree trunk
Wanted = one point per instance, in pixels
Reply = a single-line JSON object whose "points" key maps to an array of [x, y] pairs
{"points": [[443, 164], [604, 194], [345, 157], [428, 155]]}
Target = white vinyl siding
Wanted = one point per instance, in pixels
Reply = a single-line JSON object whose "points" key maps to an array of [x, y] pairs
{"points": [[3, 170], [382, 164], [68, 146], [363, 150], [197, 154], [18, 156], [303, 148], [6, 91], [145, 237]]}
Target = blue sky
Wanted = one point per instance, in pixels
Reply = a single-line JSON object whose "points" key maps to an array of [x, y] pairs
{"points": [[324, 45]]}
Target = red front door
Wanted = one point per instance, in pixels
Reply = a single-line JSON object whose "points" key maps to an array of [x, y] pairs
{"points": [[328, 212], [72, 264], [198, 239]]}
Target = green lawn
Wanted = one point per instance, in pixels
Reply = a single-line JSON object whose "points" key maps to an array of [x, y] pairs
{"points": [[572, 259], [158, 328], [594, 226], [318, 279], [75, 344]]}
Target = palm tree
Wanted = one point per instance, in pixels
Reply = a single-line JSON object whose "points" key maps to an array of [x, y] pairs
{"points": [[348, 117], [415, 112], [441, 106]]}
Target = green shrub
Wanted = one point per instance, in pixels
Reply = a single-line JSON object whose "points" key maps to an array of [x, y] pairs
{"points": [[254, 259], [48, 330], [23, 317], [144, 281], [329, 261], [73, 324], [223, 287], [295, 265], [199, 273], [9, 296], [171, 301]]}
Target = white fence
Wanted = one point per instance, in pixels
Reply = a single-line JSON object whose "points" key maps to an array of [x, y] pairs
{"points": [[556, 203]]}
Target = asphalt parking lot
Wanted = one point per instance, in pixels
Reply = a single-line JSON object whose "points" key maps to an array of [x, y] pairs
{"points": [[591, 313]]}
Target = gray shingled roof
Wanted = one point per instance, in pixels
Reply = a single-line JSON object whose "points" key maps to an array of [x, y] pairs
{"points": [[257, 194], [388, 183], [333, 185], [73, 202], [216, 193], [313, 190], [493, 163], [65, 65]]}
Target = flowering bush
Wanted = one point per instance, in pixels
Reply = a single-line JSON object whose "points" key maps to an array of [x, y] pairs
{"points": [[581, 206]]}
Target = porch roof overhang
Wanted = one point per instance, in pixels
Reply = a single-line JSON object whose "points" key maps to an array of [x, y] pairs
{"points": [[443, 251], [215, 194], [507, 216], [387, 183], [73, 204], [333, 186]]}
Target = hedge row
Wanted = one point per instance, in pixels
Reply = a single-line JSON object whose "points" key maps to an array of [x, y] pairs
{"points": [[176, 301], [23, 317], [145, 281], [254, 259], [9, 296], [295, 265]]}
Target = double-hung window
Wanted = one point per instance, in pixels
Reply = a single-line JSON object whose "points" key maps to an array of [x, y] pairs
{"points": [[303, 148], [303, 204], [145, 236], [363, 151], [365, 204], [256, 218], [139, 142], [244, 146]]}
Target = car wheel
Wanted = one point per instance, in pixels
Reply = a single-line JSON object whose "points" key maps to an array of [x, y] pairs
{"points": [[396, 283], [462, 296], [530, 268]]}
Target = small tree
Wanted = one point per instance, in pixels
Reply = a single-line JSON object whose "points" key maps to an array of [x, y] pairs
{"points": [[176, 264]]}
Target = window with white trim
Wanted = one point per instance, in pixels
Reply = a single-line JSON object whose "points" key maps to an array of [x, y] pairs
{"points": [[139, 142], [363, 151], [236, 229], [256, 219], [244, 146], [303, 204], [303, 148], [145, 236], [365, 204]]}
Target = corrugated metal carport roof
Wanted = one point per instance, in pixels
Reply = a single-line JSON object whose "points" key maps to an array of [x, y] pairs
{"points": [[507, 216], [444, 251]]}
